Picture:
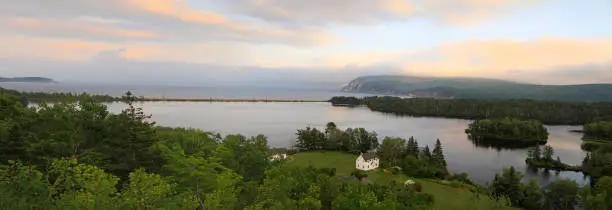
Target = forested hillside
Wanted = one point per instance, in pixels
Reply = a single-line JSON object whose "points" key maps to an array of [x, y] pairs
{"points": [[477, 88], [547, 112], [25, 97]]}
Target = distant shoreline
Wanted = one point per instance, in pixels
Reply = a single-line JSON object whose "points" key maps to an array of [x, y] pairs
{"points": [[226, 100]]}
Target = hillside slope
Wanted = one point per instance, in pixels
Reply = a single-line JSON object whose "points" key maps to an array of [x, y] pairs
{"points": [[26, 79], [477, 88]]}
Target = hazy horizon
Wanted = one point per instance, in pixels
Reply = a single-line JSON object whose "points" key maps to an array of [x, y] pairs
{"points": [[305, 43]]}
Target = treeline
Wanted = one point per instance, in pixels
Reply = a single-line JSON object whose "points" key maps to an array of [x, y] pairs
{"points": [[413, 160], [353, 140], [77, 155], [547, 112], [37, 97], [598, 131], [598, 143], [507, 131]]}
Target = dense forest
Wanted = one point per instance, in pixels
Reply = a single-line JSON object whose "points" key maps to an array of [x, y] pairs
{"points": [[547, 112], [508, 131], [77, 155], [25, 97], [598, 131]]}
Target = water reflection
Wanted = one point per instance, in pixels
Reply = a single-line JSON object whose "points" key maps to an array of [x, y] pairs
{"points": [[498, 145], [279, 122]]}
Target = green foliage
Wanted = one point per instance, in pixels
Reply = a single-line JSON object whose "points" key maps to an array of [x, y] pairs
{"points": [[80, 186], [359, 174], [412, 148], [25, 97], [437, 157], [536, 158], [598, 130], [354, 140], [547, 112], [22, 187], [248, 157], [345, 101], [462, 177], [391, 152], [533, 195], [507, 132], [147, 191], [310, 139], [508, 185], [561, 194], [598, 163]]}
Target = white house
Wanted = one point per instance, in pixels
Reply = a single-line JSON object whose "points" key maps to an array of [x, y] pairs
{"points": [[279, 156], [367, 161]]}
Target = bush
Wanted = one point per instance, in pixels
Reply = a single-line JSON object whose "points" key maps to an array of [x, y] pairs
{"points": [[292, 151], [417, 187], [358, 174], [395, 170], [462, 177], [456, 184]]}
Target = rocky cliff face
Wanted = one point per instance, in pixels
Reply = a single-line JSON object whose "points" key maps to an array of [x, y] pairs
{"points": [[353, 86]]}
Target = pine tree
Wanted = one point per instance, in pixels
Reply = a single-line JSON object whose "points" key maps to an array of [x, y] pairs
{"points": [[426, 154], [438, 156], [412, 148]]}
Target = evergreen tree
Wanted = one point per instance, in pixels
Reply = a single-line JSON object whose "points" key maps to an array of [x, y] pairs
{"points": [[548, 153], [508, 185], [438, 156], [412, 148], [426, 154]]}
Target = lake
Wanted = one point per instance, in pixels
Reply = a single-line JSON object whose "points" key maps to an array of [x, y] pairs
{"points": [[279, 122]]}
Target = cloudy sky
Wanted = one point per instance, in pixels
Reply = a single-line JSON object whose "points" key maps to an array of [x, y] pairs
{"points": [[193, 42]]}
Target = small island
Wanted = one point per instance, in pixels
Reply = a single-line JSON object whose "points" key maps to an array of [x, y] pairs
{"points": [[508, 132], [538, 158]]}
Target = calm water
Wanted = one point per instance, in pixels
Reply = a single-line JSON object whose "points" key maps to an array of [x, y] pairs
{"points": [[279, 121], [183, 92]]}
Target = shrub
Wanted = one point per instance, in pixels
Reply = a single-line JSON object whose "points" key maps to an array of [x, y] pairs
{"points": [[456, 184], [417, 187], [462, 177], [358, 174]]}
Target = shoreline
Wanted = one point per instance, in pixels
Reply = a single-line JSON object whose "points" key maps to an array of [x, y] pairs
{"points": [[228, 100]]}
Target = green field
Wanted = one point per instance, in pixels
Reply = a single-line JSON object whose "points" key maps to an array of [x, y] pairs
{"points": [[447, 198]]}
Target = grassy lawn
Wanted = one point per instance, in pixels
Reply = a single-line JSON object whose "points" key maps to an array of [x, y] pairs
{"points": [[447, 198]]}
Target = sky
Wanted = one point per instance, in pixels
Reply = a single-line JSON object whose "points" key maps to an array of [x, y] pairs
{"points": [[297, 42]]}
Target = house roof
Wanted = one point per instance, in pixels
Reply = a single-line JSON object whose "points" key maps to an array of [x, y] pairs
{"points": [[368, 156]]}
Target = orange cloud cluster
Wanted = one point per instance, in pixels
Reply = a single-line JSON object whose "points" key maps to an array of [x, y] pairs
{"points": [[177, 9], [500, 57], [76, 27]]}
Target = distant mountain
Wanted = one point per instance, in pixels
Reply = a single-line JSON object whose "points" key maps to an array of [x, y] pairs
{"points": [[476, 88], [27, 79]]}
